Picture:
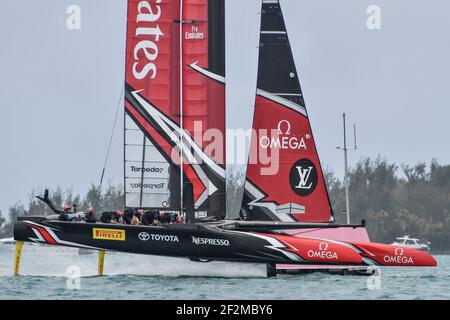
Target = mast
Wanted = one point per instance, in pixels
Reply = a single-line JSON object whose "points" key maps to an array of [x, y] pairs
{"points": [[345, 150], [347, 199], [181, 108], [142, 173]]}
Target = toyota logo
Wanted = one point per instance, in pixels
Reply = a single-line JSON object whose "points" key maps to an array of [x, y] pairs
{"points": [[323, 246], [399, 251], [144, 236]]}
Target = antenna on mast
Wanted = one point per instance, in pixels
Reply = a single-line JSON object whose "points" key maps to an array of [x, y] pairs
{"points": [[345, 149]]}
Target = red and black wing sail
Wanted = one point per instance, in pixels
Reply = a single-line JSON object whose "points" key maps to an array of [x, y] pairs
{"points": [[171, 99], [291, 187]]}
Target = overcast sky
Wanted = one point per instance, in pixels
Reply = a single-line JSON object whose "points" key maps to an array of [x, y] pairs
{"points": [[59, 88]]}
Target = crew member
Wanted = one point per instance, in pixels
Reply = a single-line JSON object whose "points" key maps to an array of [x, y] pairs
{"points": [[118, 217], [137, 217], [156, 218], [107, 217], [148, 217], [173, 218], [165, 217], [89, 217], [180, 219], [64, 216], [128, 216]]}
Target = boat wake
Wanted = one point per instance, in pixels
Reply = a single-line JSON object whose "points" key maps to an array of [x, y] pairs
{"points": [[38, 260]]}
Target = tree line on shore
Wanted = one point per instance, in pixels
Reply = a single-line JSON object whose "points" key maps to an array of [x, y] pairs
{"points": [[395, 200]]}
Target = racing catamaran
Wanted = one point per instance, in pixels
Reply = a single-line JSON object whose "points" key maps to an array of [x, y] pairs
{"points": [[174, 98]]}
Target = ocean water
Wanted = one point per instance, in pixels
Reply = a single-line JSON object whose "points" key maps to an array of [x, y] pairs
{"points": [[61, 273]]}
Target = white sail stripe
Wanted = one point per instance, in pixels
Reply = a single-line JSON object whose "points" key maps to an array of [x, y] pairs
{"points": [[289, 104], [187, 146], [210, 188], [164, 122], [271, 96], [258, 195], [273, 32], [205, 158], [288, 94], [156, 115], [270, 1], [207, 73]]}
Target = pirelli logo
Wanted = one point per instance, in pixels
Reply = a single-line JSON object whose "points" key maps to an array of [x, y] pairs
{"points": [[108, 234]]}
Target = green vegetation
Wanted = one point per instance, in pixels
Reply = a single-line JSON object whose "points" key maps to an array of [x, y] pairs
{"points": [[395, 200], [413, 200]]}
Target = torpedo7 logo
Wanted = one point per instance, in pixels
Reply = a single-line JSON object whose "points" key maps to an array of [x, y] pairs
{"points": [[303, 177]]}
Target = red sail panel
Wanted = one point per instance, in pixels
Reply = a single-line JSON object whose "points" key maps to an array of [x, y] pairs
{"points": [[292, 180], [203, 104], [150, 54], [203, 98], [194, 93]]}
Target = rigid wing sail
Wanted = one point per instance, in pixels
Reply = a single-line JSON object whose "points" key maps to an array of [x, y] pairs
{"points": [[168, 104], [283, 130]]}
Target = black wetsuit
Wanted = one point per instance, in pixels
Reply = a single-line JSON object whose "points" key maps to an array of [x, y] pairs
{"points": [[166, 218], [174, 217], [90, 218], [64, 216], [107, 217], [149, 217], [128, 216]]}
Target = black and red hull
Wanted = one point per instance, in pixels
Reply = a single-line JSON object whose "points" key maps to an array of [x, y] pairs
{"points": [[213, 241]]}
